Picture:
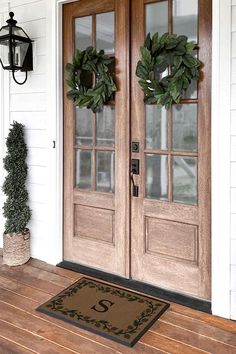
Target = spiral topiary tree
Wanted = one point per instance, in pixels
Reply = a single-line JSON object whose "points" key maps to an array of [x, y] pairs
{"points": [[16, 209]]}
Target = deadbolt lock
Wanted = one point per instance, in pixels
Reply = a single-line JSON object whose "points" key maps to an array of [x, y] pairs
{"points": [[135, 146]]}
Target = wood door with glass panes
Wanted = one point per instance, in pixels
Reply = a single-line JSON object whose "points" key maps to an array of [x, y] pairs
{"points": [[161, 236], [96, 146], [170, 224]]}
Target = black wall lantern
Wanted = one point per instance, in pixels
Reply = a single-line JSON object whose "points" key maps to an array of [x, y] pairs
{"points": [[15, 49]]}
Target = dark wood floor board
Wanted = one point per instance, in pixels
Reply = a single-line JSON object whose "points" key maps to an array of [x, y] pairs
{"points": [[10, 347], [216, 321], [18, 302], [170, 345], [55, 270], [23, 290], [32, 281], [200, 327], [45, 275], [31, 341], [191, 338], [149, 349]]}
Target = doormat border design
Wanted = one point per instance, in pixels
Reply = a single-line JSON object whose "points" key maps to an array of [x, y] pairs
{"points": [[69, 291]]}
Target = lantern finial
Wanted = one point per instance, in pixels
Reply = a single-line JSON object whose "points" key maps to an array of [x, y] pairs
{"points": [[11, 21]]}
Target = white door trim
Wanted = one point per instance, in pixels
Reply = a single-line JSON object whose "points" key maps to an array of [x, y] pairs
{"points": [[55, 128], [220, 146], [221, 98]]}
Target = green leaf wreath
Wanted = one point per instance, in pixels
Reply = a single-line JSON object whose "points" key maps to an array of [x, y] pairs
{"points": [[88, 90], [168, 52]]}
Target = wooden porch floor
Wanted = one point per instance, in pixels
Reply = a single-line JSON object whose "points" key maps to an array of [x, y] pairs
{"points": [[23, 330]]}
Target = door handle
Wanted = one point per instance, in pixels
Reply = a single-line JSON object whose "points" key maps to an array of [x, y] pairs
{"points": [[135, 166], [135, 187]]}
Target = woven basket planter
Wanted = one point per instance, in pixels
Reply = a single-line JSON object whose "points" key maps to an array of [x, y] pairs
{"points": [[16, 248]]}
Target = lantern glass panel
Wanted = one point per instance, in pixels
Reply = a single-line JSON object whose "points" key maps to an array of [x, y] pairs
{"points": [[19, 52], [4, 53]]}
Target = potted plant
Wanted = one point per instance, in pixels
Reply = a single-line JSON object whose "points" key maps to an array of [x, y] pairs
{"points": [[16, 238]]}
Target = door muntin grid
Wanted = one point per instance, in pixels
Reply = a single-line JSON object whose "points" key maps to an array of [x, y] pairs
{"points": [[171, 137], [95, 133]]}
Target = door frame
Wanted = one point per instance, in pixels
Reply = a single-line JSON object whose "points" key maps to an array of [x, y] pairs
{"points": [[221, 59]]}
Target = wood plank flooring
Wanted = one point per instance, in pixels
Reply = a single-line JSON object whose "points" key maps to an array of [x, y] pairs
{"points": [[180, 330]]}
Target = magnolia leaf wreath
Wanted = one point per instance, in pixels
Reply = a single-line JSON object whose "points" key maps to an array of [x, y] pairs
{"points": [[166, 53], [88, 90]]}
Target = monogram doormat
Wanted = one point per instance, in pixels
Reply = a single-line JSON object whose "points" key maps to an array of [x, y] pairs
{"points": [[118, 314]]}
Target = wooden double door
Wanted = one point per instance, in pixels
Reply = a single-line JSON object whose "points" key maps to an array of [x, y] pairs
{"points": [[162, 235]]}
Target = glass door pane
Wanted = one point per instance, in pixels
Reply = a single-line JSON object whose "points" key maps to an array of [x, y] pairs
{"points": [[84, 169], [105, 127], [156, 177], [157, 17], [105, 173], [184, 127], [83, 32], [84, 127], [185, 18], [156, 128], [105, 38], [185, 180]]}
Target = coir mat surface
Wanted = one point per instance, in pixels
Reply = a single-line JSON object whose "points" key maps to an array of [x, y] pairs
{"points": [[112, 312]]}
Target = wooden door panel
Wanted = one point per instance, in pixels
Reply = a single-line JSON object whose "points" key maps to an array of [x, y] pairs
{"points": [[88, 220], [170, 239], [162, 234], [96, 224], [161, 271]]}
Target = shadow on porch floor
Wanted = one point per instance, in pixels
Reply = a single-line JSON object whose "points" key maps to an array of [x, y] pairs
{"points": [[180, 330]]}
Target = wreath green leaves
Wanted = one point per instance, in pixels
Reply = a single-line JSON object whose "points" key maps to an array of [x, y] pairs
{"points": [[168, 52], [88, 90]]}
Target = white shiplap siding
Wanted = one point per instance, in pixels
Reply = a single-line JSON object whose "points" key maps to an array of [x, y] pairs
{"points": [[28, 105]]}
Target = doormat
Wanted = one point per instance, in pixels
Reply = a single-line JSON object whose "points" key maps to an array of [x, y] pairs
{"points": [[118, 314]]}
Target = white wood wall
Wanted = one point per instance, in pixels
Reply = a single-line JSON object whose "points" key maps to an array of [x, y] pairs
{"points": [[28, 104]]}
